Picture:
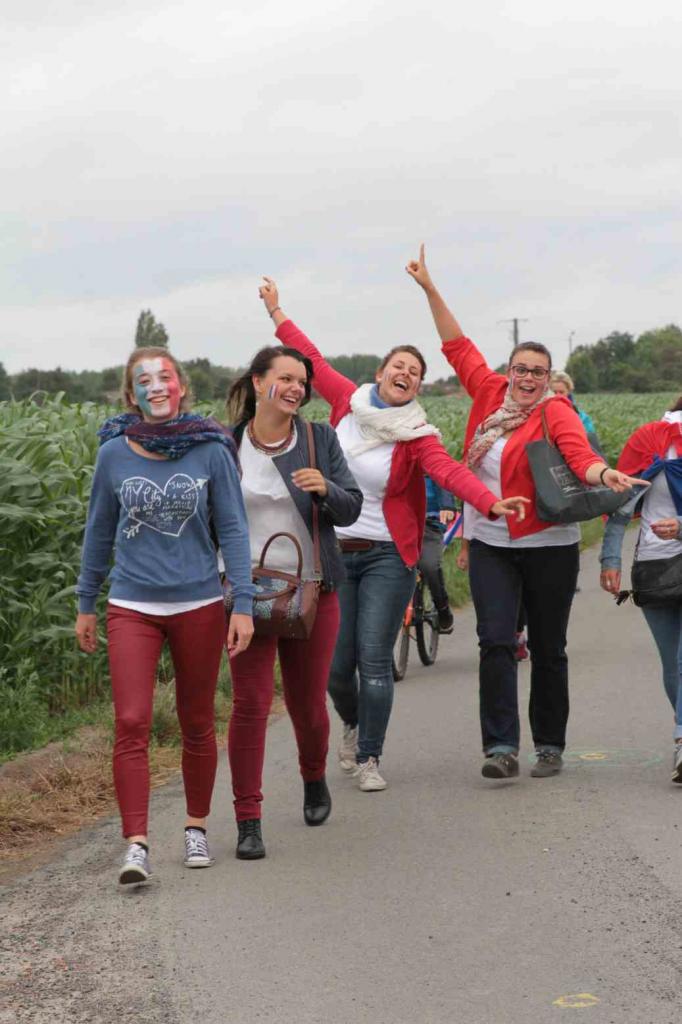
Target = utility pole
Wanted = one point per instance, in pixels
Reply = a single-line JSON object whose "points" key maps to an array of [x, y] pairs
{"points": [[515, 320], [570, 344]]}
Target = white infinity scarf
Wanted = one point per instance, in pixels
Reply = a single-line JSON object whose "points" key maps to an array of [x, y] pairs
{"points": [[385, 426]]}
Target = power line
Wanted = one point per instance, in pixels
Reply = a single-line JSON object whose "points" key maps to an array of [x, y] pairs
{"points": [[515, 320]]}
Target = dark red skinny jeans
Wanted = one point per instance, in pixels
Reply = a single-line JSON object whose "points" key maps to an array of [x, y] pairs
{"points": [[196, 640], [305, 670]]}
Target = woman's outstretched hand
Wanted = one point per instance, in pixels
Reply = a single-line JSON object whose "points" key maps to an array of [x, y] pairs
{"points": [[609, 580], [511, 507], [417, 270], [620, 482]]}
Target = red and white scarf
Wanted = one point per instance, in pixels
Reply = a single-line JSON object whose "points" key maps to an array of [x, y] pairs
{"points": [[508, 417]]}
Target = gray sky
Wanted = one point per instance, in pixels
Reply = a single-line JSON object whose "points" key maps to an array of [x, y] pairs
{"points": [[166, 155]]}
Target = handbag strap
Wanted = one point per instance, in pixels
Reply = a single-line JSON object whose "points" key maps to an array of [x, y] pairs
{"points": [[312, 457], [545, 428]]}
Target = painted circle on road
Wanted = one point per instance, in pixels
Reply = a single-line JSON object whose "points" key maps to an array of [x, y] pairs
{"points": [[614, 757], [577, 1001]]}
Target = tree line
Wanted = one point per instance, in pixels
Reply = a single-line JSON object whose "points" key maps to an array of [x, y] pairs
{"points": [[618, 362]]}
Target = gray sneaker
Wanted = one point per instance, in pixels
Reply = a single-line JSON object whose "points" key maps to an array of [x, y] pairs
{"points": [[549, 762], [677, 763], [196, 849], [500, 766], [135, 867]]}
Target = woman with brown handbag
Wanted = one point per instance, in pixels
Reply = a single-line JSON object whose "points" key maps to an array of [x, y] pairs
{"points": [[283, 494]]}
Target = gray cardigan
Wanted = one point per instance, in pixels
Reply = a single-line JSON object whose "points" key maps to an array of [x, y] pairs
{"points": [[343, 502]]}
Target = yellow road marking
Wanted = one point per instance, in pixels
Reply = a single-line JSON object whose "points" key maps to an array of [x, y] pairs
{"points": [[578, 1001]]}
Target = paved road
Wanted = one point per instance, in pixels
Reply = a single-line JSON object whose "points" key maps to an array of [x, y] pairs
{"points": [[445, 899]]}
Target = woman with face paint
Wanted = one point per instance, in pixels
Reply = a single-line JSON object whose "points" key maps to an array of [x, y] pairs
{"points": [[280, 492], [165, 482], [389, 446], [513, 562]]}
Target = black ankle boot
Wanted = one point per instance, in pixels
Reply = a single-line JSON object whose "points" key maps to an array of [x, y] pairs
{"points": [[250, 843], [317, 802]]}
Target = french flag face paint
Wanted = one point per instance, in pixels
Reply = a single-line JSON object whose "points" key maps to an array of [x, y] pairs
{"points": [[157, 387], [273, 392]]}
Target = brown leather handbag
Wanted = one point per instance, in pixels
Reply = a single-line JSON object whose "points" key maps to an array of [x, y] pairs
{"points": [[285, 604]]}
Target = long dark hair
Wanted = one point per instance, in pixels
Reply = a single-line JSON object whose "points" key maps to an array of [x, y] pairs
{"points": [[241, 398]]}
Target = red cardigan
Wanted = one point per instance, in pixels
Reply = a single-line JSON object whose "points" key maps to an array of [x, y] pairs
{"points": [[648, 441], [487, 390], [404, 504]]}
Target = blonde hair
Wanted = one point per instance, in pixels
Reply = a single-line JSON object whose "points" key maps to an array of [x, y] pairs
{"points": [[153, 352], [561, 377]]}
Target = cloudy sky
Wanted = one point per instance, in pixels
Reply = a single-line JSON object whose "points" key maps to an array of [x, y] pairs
{"points": [[166, 155]]}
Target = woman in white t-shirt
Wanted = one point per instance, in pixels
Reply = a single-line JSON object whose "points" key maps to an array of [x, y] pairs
{"points": [[279, 489], [654, 451]]}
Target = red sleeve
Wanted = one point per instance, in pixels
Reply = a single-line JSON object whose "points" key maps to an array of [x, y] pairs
{"points": [[331, 384], [649, 440], [468, 364], [451, 475], [568, 433]]}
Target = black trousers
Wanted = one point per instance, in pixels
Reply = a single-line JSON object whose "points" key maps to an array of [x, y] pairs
{"points": [[430, 564], [543, 579]]}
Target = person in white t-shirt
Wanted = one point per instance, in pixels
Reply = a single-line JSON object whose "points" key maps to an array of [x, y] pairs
{"points": [[654, 451]]}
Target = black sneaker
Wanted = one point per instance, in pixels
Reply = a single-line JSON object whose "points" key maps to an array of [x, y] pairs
{"points": [[250, 842], [500, 766], [549, 762], [317, 802], [446, 620]]}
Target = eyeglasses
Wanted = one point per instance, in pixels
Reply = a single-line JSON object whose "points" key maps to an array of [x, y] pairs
{"points": [[536, 372]]}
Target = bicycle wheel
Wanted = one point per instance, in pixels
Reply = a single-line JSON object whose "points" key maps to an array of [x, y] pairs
{"points": [[401, 653], [425, 623]]}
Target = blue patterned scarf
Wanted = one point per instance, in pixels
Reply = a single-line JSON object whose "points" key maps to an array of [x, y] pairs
{"points": [[173, 438]]}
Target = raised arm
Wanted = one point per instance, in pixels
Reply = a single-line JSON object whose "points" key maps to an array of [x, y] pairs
{"points": [[465, 359], [329, 383]]}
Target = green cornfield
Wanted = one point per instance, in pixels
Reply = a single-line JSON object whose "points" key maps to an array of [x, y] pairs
{"points": [[47, 455]]}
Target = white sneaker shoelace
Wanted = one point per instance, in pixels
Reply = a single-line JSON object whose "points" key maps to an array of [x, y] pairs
{"points": [[367, 774], [135, 867], [196, 849]]}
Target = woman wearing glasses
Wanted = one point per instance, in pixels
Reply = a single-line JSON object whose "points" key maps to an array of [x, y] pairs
{"points": [[527, 561]]}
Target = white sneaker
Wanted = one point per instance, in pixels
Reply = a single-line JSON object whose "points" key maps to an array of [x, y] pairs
{"points": [[348, 748], [367, 774], [677, 763], [196, 849], [135, 867]]}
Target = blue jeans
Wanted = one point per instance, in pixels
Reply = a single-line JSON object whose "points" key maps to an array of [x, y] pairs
{"points": [[665, 624], [373, 601]]}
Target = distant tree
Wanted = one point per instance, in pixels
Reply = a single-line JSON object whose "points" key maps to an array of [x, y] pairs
{"points": [[5, 388], [582, 370], [149, 331], [359, 368]]}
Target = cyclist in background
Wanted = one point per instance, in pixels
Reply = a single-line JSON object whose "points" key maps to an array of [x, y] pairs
{"points": [[440, 510]]}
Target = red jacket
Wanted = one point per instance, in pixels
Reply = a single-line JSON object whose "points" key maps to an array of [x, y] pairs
{"points": [[404, 503], [488, 389], [648, 441]]}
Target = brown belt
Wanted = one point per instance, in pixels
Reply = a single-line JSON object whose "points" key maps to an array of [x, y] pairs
{"points": [[355, 544]]}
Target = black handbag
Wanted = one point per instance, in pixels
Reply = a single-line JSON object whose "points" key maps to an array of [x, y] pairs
{"points": [[657, 581], [560, 496]]}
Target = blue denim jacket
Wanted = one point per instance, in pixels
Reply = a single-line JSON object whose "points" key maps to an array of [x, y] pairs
{"points": [[612, 544]]}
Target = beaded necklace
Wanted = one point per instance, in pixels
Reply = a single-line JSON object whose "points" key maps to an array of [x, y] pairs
{"points": [[270, 449]]}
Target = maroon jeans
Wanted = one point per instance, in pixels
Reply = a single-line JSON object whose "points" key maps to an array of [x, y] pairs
{"points": [[196, 640], [305, 671]]}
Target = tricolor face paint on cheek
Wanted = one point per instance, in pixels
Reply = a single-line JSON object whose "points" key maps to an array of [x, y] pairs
{"points": [[273, 391], [157, 387]]}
